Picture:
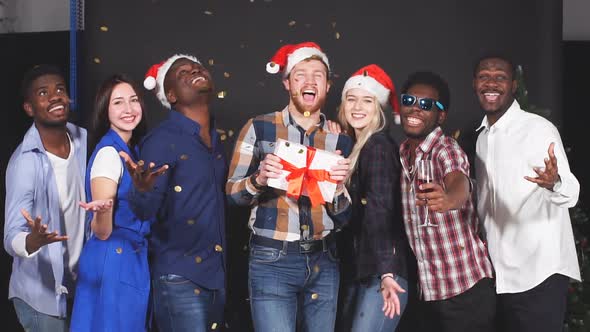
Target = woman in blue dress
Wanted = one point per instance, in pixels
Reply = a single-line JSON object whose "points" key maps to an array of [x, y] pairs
{"points": [[113, 283]]}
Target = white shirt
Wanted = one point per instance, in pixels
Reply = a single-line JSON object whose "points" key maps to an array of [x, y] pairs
{"points": [[107, 164], [529, 231]]}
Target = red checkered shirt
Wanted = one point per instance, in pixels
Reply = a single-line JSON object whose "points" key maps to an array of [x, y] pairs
{"points": [[451, 257]]}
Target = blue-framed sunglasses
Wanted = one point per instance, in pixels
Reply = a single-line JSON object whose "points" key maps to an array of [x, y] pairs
{"points": [[424, 103]]}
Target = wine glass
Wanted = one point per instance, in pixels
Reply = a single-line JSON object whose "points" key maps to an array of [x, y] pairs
{"points": [[424, 174]]}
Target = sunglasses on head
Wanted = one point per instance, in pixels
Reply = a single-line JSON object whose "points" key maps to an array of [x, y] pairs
{"points": [[424, 103]]}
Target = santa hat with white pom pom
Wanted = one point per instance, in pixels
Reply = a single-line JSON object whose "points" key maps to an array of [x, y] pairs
{"points": [[154, 78], [289, 55]]}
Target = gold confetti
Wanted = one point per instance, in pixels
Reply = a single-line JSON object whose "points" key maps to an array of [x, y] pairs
{"points": [[337, 35], [184, 157], [208, 12], [213, 326], [226, 75], [314, 296], [223, 137], [456, 134], [316, 268], [364, 201], [292, 23], [198, 259], [306, 114], [220, 131], [104, 28], [96, 60], [221, 94], [177, 189], [211, 62], [197, 291], [218, 248], [119, 250], [230, 133], [190, 222]]}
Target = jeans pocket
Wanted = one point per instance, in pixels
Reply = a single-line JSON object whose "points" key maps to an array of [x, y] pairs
{"points": [[133, 269], [174, 279], [262, 254]]}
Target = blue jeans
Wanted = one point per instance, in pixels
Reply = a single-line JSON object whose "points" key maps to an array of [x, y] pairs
{"points": [[369, 301], [181, 305], [34, 321], [290, 290]]}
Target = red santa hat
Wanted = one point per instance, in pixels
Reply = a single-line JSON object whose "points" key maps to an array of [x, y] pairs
{"points": [[375, 80], [289, 55], [154, 78]]}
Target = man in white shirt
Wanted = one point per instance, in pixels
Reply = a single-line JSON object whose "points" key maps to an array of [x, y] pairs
{"points": [[524, 188]]}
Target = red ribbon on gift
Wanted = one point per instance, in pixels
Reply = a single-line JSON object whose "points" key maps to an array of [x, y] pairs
{"points": [[303, 176]]}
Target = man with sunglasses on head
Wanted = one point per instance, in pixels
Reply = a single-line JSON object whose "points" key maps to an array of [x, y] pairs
{"points": [[524, 188], [455, 275]]}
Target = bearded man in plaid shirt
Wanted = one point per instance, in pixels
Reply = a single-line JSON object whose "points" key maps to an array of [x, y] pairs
{"points": [[456, 288]]}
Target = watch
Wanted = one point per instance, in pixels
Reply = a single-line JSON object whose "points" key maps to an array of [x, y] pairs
{"points": [[256, 185]]}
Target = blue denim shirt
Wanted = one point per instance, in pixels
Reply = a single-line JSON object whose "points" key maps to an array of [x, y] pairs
{"points": [[188, 202], [31, 185]]}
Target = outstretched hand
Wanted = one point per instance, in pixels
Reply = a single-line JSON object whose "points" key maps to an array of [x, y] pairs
{"points": [[549, 176], [143, 179], [39, 236], [99, 205]]}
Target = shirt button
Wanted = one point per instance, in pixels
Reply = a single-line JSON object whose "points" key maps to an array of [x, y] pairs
{"points": [[177, 189], [190, 222], [314, 296], [218, 248], [197, 291], [119, 250], [198, 259]]}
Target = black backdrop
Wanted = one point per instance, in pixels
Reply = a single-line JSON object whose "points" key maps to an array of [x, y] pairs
{"points": [[236, 38]]}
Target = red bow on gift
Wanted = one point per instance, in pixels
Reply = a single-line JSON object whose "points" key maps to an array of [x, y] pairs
{"points": [[308, 177]]}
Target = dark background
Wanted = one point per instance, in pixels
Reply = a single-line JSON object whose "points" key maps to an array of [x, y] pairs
{"points": [[236, 39]]}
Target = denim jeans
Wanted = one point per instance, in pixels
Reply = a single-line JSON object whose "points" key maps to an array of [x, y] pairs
{"points": [[290, 290], [181, 305], [34, 321], [369, 301]]}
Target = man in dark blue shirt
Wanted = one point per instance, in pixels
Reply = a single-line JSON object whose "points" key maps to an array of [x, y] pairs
{"points": [[186, 196]]}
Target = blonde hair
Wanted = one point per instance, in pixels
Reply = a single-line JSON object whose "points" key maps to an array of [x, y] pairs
{"points": [[377, 124]]}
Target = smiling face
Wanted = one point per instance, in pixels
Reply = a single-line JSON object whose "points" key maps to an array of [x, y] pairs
{"points": [[186, 81], [494, 86], [360, 109], [418, 123], [308, 85], [125, 111], [47, 101]]}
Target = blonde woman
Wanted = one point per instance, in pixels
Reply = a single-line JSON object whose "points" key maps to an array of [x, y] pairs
{"points": [[377, 294]]}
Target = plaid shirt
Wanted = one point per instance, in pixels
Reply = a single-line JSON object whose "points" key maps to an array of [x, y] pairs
{"points": [[273, 214], [451, 257]]}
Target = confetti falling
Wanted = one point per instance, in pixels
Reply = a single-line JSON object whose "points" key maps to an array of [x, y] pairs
{"points": [[208, 12], [230, 133], [211, 62], [221, 94], [337, 35], [333, 25], [456, 134], [223, 137], [226, 75], [96, 60], [292, 23], [213, 326], [104, 28]]}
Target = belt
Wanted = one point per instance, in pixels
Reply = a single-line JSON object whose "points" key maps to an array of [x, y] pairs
{"points": [[300, 246]]}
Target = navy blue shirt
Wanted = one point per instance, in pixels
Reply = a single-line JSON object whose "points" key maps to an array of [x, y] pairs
{"points": [[188, 202]]}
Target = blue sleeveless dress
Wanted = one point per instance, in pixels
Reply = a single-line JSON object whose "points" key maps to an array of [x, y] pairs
{"points": [[113, 284]]}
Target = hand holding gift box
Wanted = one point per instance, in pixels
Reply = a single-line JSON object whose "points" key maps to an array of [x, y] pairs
{"points": [[306, 170]]}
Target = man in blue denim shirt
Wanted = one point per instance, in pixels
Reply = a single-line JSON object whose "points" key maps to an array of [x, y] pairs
{"points": [[185, 195], [45, 177]]}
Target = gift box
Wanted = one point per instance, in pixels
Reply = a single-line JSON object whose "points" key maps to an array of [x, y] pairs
{"points": [[305, 172]]}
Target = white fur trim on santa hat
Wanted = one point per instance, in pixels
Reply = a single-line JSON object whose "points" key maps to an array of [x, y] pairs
{"points": [[368, 84], [160, 93], [301, 54]]}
